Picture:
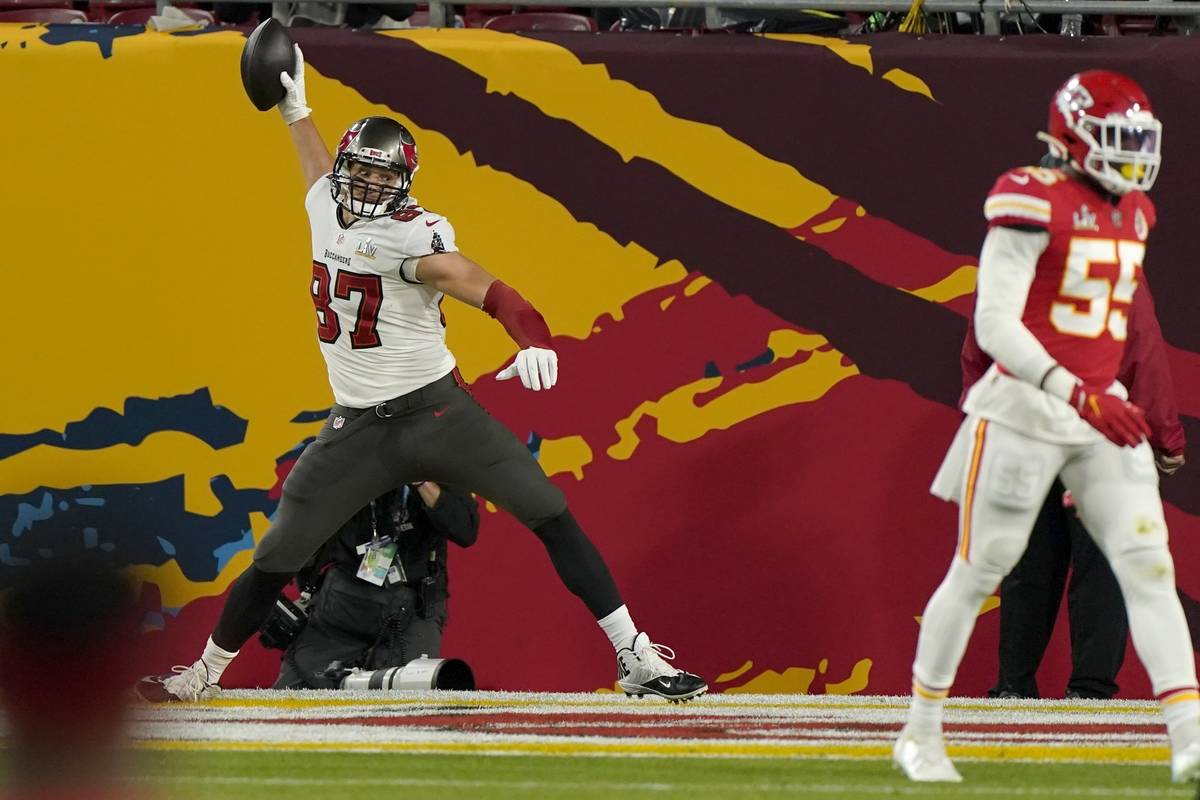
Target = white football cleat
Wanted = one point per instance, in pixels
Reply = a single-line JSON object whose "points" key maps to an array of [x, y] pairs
{"points": [[1185, 765], [184, 685], [922, 757], [641, 670]]}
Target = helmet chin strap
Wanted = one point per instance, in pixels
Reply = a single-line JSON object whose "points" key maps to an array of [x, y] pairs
{"points": [[342, 198], [1110, 179], [350, 217], [1057, 149], [1102, 180]]}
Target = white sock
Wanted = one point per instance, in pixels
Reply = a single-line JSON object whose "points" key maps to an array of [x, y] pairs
{"points": [[1182, 710], [216, 660], [925, 713], [618, 626]]}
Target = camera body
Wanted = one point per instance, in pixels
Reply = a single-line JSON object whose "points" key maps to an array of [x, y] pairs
{"points": [[285, 622]]}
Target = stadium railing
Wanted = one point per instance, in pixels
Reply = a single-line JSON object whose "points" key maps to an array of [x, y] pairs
{"points": [[441, 13]]}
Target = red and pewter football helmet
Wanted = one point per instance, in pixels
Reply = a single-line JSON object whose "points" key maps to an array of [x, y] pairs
{"points": [[1101, 123], [384, 149]]}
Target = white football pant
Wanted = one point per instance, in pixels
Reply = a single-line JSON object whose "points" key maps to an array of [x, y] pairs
{"points": [[1007, 476]]}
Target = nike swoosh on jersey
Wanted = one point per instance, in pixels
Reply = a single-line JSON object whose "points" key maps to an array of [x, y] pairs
{"points": [[1021, 179], [431, 224]]}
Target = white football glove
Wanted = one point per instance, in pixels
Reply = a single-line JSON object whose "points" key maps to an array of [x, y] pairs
{"points": [[294, 106], [537, 366]]}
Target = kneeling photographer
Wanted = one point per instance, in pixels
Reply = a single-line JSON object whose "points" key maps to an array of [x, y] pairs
{"points": [[375, 594]]}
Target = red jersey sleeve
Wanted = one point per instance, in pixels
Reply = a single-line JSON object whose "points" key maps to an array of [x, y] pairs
{"points": [[1021, 197], [973, 360], [1145, 372]]}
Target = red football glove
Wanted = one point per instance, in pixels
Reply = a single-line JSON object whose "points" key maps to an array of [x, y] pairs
{"points": [[1121, 422]]}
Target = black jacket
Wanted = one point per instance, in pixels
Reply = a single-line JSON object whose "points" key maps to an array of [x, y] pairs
{"points": [[420, 531]]}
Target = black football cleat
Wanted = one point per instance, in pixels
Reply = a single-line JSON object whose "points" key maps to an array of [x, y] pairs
{"points": [[642, 670]]}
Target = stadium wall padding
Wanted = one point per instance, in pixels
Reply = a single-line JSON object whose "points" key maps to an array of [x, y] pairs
{"points": [[756, 254]]}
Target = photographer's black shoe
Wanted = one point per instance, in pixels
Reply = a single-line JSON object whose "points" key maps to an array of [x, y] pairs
{"points": [[641, 670]]}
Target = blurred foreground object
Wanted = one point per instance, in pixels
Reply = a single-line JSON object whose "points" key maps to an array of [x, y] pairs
{"points": [[68, 644]]}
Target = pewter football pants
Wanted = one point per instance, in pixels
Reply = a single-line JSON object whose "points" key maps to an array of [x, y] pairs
{"points": [[436, 433], [1116, 492]]}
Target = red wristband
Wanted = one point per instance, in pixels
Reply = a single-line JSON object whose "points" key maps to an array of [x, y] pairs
{"points": [[522, 321]]}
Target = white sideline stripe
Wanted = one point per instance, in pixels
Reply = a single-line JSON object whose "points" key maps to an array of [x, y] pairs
{"points": [[347, 734], [579, 701], [385, 734], [583, 725], [795, 789], [998, 715]]}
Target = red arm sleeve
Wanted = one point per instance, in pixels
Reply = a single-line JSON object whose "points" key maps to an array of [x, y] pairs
{"points": [[522, 321], [974, 361], [1145, 373]]}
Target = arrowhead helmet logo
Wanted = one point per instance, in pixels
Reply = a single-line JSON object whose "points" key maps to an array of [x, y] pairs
{"points": [[1073, 99]]}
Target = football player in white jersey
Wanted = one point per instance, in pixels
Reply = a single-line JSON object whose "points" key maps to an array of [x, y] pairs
{"points": [[1057, 275], [381, 266]]}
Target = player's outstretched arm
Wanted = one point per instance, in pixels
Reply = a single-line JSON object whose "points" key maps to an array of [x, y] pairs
{"points": [[461, 278], [315, 159], [455, 275]]}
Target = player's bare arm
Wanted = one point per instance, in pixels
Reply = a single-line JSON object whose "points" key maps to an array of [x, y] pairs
{"points": [[455, 275], [458, 276], [315, 159]]}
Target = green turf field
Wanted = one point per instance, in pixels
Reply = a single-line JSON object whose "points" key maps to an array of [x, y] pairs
{"points": [[363, 776], [482, 745]]}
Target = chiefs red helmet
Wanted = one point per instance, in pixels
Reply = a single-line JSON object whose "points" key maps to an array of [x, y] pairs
{"points": [[1102, 124]]}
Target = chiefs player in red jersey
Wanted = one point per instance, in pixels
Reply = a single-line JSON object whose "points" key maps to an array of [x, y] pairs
{"points": [[1058, 272]]}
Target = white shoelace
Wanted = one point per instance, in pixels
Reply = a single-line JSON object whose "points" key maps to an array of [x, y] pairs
{"points": [[653, 654]]}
